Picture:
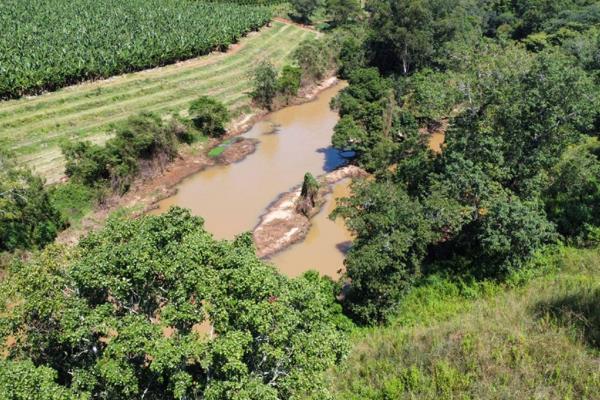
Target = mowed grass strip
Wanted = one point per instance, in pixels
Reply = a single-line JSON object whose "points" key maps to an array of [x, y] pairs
{"points": [[34, 127], [89, 95], [168, 87], [48, 162]]}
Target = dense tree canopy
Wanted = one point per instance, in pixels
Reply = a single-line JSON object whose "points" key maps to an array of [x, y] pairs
{"points": [[304, 9], [505, 183], [156, 308]]}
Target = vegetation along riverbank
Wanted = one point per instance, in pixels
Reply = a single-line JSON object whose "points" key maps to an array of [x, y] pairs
{"points": [[471, 263]]}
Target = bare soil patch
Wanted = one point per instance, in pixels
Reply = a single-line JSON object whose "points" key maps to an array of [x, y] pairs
{"points": [[282, 225]]}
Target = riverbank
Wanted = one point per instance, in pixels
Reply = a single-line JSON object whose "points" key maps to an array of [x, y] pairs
{"points": [[283, 225], [145, 193], [33, 128]]}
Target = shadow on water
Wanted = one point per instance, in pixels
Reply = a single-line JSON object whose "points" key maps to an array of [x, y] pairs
{"points": [[344, 247], [334, 158]]}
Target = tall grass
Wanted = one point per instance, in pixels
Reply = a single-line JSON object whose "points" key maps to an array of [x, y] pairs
{"points": [[535, 340]]}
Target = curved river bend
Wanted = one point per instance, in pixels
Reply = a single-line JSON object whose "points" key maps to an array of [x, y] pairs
{"points": [[291, 142]]}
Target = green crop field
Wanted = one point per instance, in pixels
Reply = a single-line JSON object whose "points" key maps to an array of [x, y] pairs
{"points": [[48, 44], [33, 128]]}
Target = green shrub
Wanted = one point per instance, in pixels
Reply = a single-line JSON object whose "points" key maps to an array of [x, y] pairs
{"points": [[143, 139], [86, 162], [288, 82], [308, 195], [28, 219], [314, 57], [209, 115], [264, 85], [573, 198], [73, 200], [304, 9], [351, 56]]}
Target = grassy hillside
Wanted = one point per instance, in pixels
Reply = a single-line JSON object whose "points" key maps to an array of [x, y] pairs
{"points": [[540, 340], [34, 127]]}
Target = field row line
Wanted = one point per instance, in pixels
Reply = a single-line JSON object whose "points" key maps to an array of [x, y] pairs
{"points": [[190, 76], [85, 88], [54, 161], [162, 97]]}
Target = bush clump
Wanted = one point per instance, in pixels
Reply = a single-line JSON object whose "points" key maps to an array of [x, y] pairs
{"points": [[28, 219], [143, 141], [308, 194], [209, 115]]}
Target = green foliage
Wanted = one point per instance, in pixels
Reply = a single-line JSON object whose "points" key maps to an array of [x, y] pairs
{"points": [[343, 11], [141, 141], [72, 200], [86, 162], [304, 9], [521, 18], [310, 187], [264, 84], [512, 114], [288, 82], [370, 124], [315, 59], [351, 57], [511, 231], [28, 218], [527, 118], [429, 96], [53, 43], [392, 238], [131, 312], [22, 380], [573, 197], [308, 195], [209, 115], [410, 34]]}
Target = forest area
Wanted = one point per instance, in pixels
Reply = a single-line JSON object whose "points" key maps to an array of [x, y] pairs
{"points": [[474, 270]]}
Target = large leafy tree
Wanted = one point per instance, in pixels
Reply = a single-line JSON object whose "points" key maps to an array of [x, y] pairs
{"points": [[156, 308], [409, 34], [385, 259], [343, 11], [524, 118], [305, 8]]}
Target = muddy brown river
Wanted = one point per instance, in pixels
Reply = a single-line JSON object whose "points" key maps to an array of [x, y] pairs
{"points": [[291, 142]]}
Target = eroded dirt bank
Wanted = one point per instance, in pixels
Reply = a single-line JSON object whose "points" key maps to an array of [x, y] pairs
{"points": [[282, 225], [148, 191], [291, 142]]}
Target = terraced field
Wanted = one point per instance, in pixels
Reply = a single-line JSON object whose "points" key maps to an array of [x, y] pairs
{"points": [[34, 127]]}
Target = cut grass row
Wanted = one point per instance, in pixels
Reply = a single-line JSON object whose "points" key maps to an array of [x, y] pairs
{"points": [[33, 128], [89, 95], [174, 91]]}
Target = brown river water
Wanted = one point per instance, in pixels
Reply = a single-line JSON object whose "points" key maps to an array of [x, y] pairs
{"points": [[292, 141]]}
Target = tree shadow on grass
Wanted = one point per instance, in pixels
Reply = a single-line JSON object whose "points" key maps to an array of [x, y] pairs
{"points": [[577, 311]]}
